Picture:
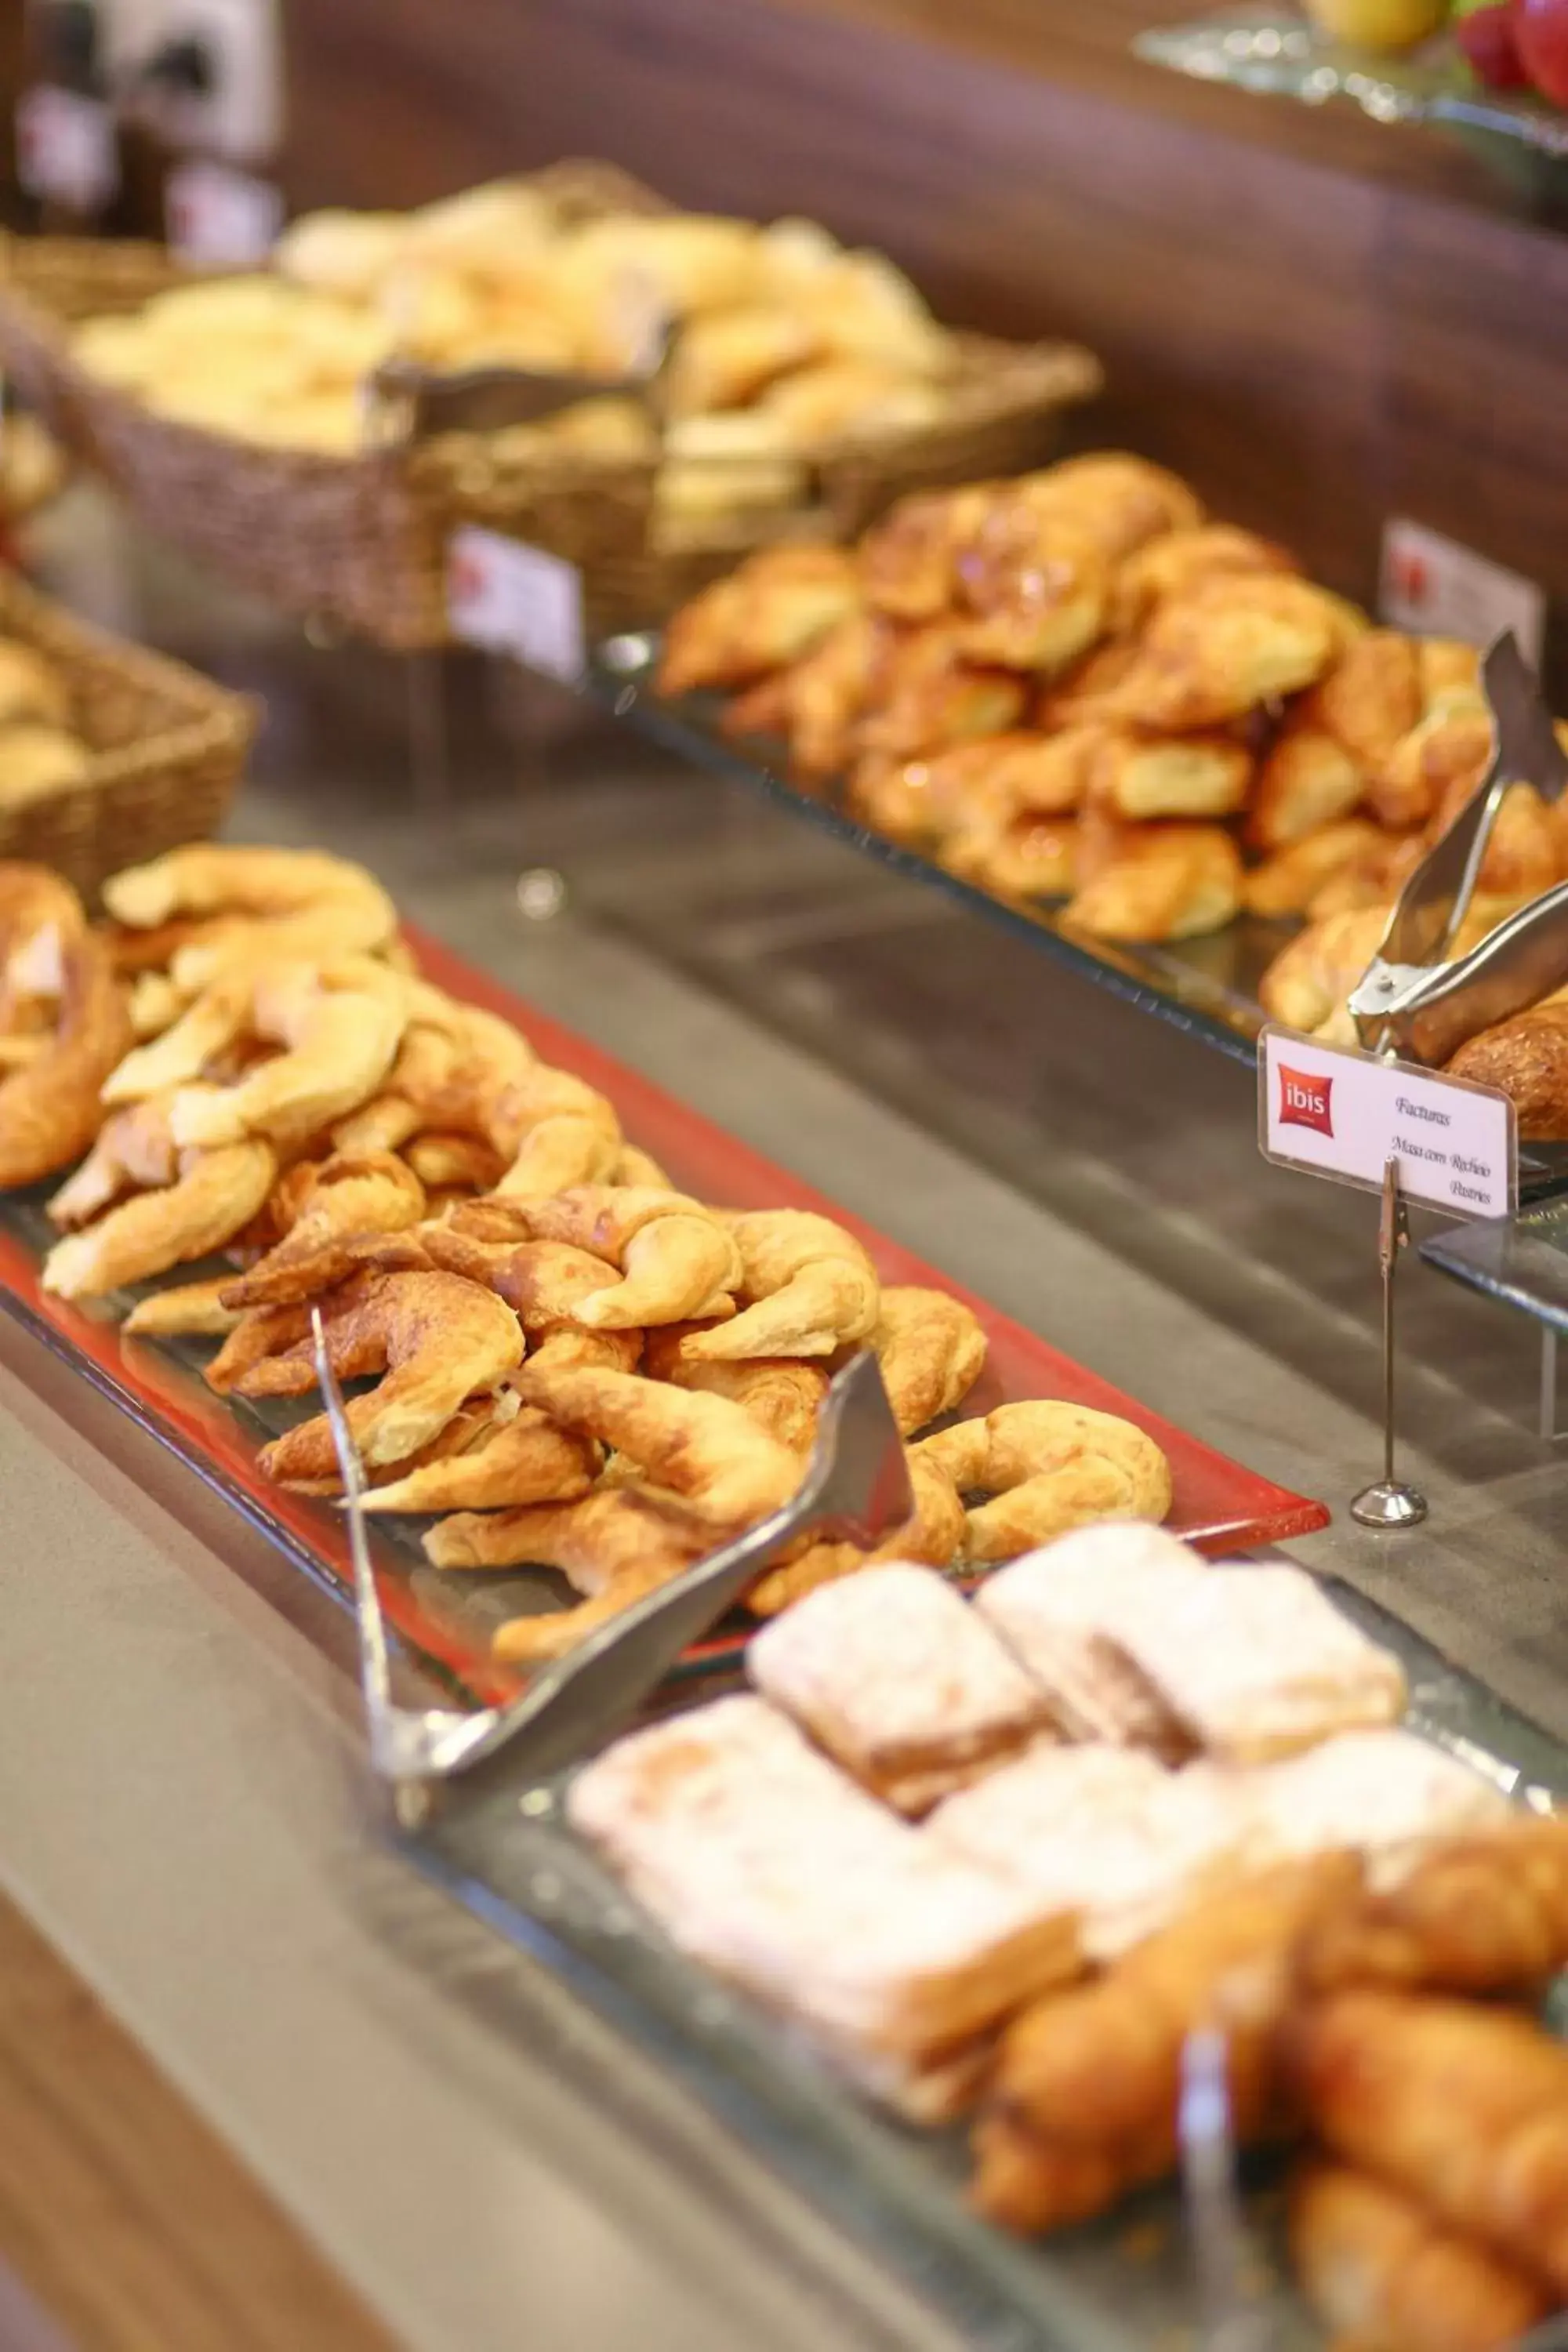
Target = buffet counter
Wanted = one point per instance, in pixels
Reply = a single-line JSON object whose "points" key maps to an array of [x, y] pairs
{"points": [[189, 1818]]}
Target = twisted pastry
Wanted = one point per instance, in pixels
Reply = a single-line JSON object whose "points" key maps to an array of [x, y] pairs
{"points": [[214, 1194], [435, 1338], [555, 1131], [527, 1460], [1050, 1467], [710, 1453], [214, 902], [932, 1350], [340, 1201], [807, 1288], [784, 1397], [679, 1262], [611, 1534], [49, 1106]]}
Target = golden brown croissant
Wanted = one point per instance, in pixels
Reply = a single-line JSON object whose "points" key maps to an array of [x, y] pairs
{"points": [[908, 560], [1122, 501], [1168, 881], [453, 1066], [773, 609], [786, 1397], [1476, 1915], [710, 1453], [934, 696], [524, 1460], [1462, 2107], [1034, 588], [679, 1262], [436, 1339], [187, 1307], [1047, 1467], [824, 697], [1139, 777], [607, 1536], [1288, 882], [1309, 978], [554, 1130], [806, 1288], [49, 1108], [1445, 752], [1022, 857], [455, 1164], [342, 1199], [932, 1350], [213, 1195], [1227, 646], [1386, 2277], [1084, 2101], [933, 1538], [1176, 562], [219, 901], [1308, 781]]}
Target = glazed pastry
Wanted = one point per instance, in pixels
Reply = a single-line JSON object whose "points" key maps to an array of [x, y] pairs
{"points": [[908, 560], [806, 1288], [1122, 503], [1083, 2106], [931, 1348], [1384, 2276], [1178, 561], [1460, 2107], [723, 1467], [1227, 646], [213, 1195], [434, 1338], [1049, 1468], [1034, 588], [773, 609], [934, 696], [1138, 777], [1288, 882], [1169, 881]]}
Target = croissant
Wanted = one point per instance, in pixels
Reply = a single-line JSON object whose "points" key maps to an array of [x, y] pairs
{"points": [[933, 1538], [908, 560], [453, 1065], [932, 1350], [1178, 561], [679, 1262], [806, 1288], [1461, 2108], [772, 610], [1308, 781], [435, 1338], [49, 1108], [610, 1534], [934, 695], [1085, 2095], [1477, 1916], [1309, 981], [1122, 501], [455, 1164], [710, 1453], [1166, 881], [1446, 750], [1288, 882], [343, 1198], [785, 1397], [222, 899], [555, 1131], [1227, 646], [824, 697], [1026, 857], [193, 1308], [1048, 1467], [1035, 587], [526, 1460], [213, 1195], [1139, 777], [1386, 2277]]}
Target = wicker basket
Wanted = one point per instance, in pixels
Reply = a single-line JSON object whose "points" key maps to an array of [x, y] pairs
{"points": [[167, 748], [359, 542]]}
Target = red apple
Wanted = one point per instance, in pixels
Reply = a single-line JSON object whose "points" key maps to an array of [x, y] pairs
{"points": [[1540, 29], [1490, 40]]}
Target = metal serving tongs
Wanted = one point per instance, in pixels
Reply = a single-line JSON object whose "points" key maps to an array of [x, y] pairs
{"points": [[1231, 2315], [406, 401], [1410, 1001], [857, 1489]]}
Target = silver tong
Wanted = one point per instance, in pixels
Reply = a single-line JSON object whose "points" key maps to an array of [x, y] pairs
{"points": [[856, 1489], [406, 401], [1231, 2315], [1410, 1001]]}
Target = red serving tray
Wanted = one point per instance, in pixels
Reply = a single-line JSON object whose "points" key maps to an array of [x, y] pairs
{"points": [[1216, 1503]]}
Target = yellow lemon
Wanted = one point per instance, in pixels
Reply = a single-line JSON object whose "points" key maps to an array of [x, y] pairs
{"points": [[1378, 23]]}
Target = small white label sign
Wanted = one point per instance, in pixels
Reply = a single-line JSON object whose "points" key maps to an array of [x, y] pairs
{"points": [[67, 150], [514, 599], [1336, 1111], [218, 219], [1435, 588]]}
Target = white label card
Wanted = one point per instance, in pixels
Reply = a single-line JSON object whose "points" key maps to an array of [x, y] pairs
{"points": [[1435, 588], [1335, 1111], [218, 219], [68, 152], [514, 599]]}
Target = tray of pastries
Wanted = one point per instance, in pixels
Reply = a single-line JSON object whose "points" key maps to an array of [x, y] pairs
{"points": [[954, 1900], [593, 1333], [1128, 727]]}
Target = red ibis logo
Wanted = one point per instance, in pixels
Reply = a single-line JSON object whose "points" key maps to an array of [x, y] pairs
{"points": [[1304, 1100]]}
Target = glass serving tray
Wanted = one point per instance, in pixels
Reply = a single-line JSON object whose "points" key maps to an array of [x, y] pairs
{"points": [[446, 1618], [1520, 1261], [1272, 51], [1206, 986], [1122, 2286]]}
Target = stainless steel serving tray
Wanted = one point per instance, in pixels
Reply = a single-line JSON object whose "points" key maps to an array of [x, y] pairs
{"points": [[1122, 2286]]}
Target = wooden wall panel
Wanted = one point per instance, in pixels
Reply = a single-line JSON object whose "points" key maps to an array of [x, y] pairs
{"points": [[1315, 318]]}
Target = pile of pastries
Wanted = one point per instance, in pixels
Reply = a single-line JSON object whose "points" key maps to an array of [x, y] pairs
{"points": [[1023, 1857], [1077, 685], [40, 752], [783, 341], [580, 1367]]}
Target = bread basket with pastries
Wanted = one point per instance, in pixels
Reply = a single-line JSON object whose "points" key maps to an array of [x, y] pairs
{"points": [[806, 386], [108, 752]]}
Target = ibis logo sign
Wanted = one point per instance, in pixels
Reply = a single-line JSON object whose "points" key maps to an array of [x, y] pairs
{"points": [[1306, 1099]]}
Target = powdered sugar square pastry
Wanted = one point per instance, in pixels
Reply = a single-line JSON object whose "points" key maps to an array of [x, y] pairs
{"points": [[1385, 1793], [1106, 1833], [1257, 1662], [899, 1678], [1057, 1607], [758, 1856]]}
